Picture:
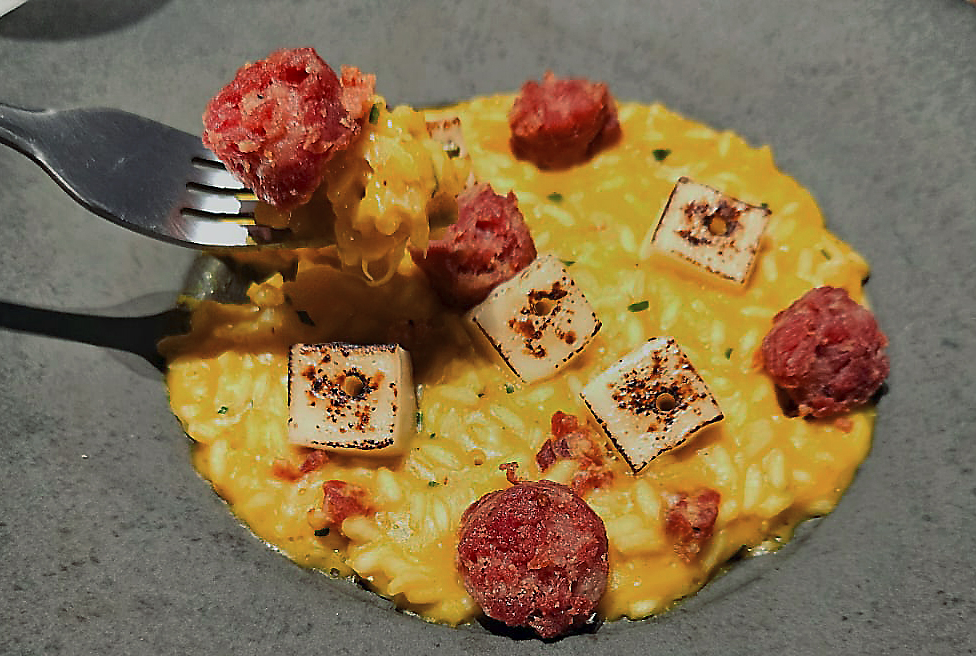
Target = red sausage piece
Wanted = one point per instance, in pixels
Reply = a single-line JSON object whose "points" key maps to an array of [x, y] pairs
{"points": [[534, 555], [690, 521], [562, 122], [280, 120], [487, 245], [341, 500], [572, 439], [827, 352]]}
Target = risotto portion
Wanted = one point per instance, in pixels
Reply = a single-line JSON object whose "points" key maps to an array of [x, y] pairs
{"points": [[750, 476]]}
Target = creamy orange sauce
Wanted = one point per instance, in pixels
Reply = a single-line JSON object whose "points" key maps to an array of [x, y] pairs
{"points": [[227, 379]]}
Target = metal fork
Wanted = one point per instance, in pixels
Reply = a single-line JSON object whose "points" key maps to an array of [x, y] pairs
{"points": [[138, 173]]}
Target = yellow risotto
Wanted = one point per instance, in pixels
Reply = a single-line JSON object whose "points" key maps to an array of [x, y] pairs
{"points": [[228, 378]]}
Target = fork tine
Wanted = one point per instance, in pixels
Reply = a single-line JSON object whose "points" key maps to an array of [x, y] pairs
{"points": [[213, 233], [204, 154], [209, 171], [218, 178], [217, 204]]}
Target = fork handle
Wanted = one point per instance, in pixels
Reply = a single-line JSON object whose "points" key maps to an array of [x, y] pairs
{"points": [[18, 128]]}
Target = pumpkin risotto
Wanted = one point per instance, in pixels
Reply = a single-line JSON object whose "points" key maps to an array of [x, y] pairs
{"points": [[228, 378]]}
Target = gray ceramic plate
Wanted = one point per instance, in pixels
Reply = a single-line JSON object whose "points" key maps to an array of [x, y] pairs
{"points": [[109, 541]]}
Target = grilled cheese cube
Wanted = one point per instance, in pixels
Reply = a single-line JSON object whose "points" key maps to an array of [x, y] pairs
{"points": [[650, 402], [714, 231], [537, 321], [351, 399]]}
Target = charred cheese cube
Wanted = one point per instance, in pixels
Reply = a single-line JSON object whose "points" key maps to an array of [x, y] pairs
{"points": [[650, 402], [537, 321], [714, 231], [350, 399]]}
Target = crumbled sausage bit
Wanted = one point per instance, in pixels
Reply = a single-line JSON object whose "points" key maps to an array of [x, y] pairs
{"points": [[340, 500], [572, 439], [690, 521]]}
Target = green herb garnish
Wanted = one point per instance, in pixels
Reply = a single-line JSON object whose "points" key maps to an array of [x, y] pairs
{"points": [[728, 353], [322, 532], [765, 206], [640, 306], [509, 388], [568, 263], [223, 410], [555, 197], [661, 154], [374, 114], [419, 417], [433, 483], [825, 253]]}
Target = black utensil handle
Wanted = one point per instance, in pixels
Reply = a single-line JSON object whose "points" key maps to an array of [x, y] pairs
{"points": [[18, 128]]}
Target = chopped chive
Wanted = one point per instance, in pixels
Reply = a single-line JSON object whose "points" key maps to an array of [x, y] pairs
{"points": [[509, 388], [304, 317], [419, 417], [433, 483], [555, 197], [661, 154], [765, 206], [322, 532], [433, 435], [374, 114], [568, 263], [825, 253], [640, 306], [223, 410], [452, 150], [728, 353]]}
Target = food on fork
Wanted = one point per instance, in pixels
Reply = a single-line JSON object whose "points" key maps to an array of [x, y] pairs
{"points": [[332, 162], [281, 119]]}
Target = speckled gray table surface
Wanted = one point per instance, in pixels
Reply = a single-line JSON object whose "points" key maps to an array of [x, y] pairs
{"points": [[109, 541]]}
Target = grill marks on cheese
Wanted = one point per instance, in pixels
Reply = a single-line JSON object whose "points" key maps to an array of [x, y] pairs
{"points": [[338, 394], [651, 401], [350, 398], [710, 229], [538, 321]]}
